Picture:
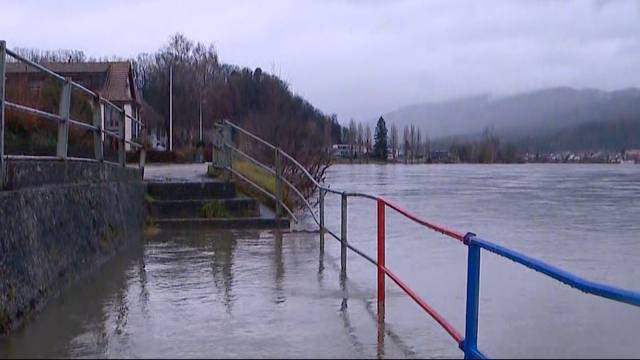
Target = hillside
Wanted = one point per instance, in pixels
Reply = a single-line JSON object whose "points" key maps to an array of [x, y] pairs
{"points": [[556, 118]]}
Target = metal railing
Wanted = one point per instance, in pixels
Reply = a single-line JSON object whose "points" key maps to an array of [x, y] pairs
{"points": [[469, 342], [64, 120]]}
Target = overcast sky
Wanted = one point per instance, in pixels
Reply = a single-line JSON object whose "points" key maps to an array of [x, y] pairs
{"points": [[363, 58]]}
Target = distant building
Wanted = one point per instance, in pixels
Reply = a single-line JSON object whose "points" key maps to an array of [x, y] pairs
{"points": [[346, 151], [112, 80], [440, 156], [632, 155]]}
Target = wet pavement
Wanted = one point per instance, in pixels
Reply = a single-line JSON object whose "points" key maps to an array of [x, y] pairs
{"points": [[194, 293], [176, 172]]}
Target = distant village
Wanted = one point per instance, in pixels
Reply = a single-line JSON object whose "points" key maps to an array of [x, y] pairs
{"points": [[346, 153]]}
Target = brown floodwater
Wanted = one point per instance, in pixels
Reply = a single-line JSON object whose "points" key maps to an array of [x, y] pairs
{"points": [[194, 293]]}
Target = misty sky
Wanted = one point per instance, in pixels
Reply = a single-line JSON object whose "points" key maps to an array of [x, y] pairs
{"points": [[363, 58]]}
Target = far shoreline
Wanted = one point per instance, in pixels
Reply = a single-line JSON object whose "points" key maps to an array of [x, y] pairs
{"points": [[371, 162]]}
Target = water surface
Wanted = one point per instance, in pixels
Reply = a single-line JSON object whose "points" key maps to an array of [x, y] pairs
{"points": [[195, 293]]}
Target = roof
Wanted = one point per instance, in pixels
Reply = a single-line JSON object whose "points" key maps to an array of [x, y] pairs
{"points": [[116, 84]]}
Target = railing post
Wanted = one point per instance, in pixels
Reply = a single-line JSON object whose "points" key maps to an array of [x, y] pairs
{"points": [[278, 183], [219, 155], [343, 236], [470, 343], [226, 152], [321, 214], [218, 146], [122, 154], [3, 61], [97, 134], [63, 125], [381, 253], [143, 150]]}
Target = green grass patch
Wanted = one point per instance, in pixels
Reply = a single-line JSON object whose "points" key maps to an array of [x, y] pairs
{"points": [[262, 178], [213, 209]]}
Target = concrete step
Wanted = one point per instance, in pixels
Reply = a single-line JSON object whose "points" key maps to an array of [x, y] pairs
{"points": [[191, 190], [238, 207], [226, 223]]}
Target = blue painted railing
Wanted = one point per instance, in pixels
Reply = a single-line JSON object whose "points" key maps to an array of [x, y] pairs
{"points": [[470, 343]]}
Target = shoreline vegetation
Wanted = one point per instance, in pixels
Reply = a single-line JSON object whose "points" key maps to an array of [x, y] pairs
{"points": [[487, 148]]}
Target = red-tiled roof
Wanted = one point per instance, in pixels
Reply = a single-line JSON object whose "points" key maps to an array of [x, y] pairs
{"points": [[115, 85]]}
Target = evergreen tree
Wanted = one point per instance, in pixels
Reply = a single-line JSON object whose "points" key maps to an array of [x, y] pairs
{"points": [[380, 149]]}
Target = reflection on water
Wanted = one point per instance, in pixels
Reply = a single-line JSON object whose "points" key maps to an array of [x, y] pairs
{"points": [[194, 293], [203, 293]]}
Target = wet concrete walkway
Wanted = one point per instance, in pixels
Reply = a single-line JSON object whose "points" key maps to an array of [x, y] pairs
{"points": [[176, 172], [187, 293]]}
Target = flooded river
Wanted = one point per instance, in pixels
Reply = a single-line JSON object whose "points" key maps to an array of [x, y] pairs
{"points": [[194, 293]]}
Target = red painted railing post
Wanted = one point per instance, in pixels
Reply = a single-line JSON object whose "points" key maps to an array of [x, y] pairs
{"points": [[381, 250]]}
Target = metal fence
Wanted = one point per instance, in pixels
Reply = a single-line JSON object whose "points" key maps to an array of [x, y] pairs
{"points": [[467, 343], [100, 106]]}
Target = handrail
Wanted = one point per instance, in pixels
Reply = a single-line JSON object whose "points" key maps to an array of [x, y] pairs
{"points": [[272, 172], [63, 119], [249, 134], [587, 286], [468, 343], [266, 192], [250, 158], [35, 65], [439, 228]]}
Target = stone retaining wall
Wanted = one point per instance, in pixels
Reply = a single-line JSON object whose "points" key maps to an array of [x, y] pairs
{"points": [[60, 221]]}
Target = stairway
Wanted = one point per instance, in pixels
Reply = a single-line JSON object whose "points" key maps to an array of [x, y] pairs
{"points": [[212, 204]]}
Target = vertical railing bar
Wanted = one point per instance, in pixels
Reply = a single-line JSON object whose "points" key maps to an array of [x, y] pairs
{"points": [[278, 184], [143, 150], [381, 252], [470, 342], [62, 147], [321, 214], [97, 134], [122, 155], [3, 58], [226, 153], [343, 235]]}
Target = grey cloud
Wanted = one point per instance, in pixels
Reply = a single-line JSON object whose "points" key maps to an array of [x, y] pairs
{"points": [[363, 58]]}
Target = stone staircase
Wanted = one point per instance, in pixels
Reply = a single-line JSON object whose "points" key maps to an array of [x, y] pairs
{"points": [[213, 204]]}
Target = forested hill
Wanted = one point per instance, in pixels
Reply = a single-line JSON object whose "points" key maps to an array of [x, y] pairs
{"points": [[550, 119], [253, 98]]}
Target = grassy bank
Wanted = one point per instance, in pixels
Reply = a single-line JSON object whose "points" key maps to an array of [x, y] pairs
{"points": [[262, 178]]}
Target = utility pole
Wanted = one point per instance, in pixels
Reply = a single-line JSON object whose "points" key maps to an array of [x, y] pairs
{"points": [[170, 107]]}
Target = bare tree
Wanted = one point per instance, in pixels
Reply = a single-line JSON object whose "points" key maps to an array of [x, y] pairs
{"points": [[353, 129], [406, 141], [394, 141], [367, 140], [427, 148], [412, 142], [418, 143], [360, 140]]}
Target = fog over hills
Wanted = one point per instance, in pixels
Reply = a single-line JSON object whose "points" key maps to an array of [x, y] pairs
{"points": [[538, 116]]}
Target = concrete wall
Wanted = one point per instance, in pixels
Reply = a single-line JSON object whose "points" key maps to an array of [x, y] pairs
{"points": [[59, 220]]}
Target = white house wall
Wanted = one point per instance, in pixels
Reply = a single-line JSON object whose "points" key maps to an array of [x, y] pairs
{"points": [[127, 126]]}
